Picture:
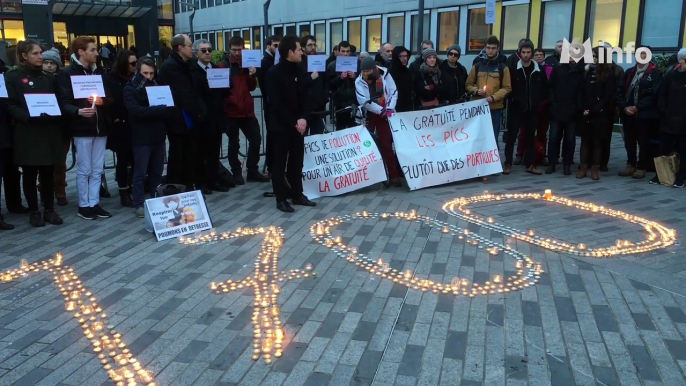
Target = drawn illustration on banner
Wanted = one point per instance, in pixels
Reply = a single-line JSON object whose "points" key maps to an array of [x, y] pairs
{"points": [[341, 162], [178, 215], [445, 144]]}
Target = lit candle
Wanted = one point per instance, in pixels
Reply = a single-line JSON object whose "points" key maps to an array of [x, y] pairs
{"points": [[548, 194], [95, 98]]}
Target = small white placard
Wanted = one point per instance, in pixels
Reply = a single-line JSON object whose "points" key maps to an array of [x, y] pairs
{"points": [[316, 63], [277, 57], [160, 96], [85, 86], [251, 58], [219, 77], [3, 88], [42, 103], [346, 63]]}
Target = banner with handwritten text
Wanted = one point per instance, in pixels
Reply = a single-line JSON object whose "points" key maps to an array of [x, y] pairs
{"points": [[445, 144], [341, 162]]}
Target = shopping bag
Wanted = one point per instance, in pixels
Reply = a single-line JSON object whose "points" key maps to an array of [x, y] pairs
{"points": [[666, 167]]}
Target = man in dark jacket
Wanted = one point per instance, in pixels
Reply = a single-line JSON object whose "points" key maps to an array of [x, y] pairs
{"points": [[564, 93], [332, 57], [454, 75], [148, 133], [414, 67], [385, 55], [189, 113], [289, 113], [267, 62], [240, 111], [403, 78], [87, 122], [317, 95], [342, 86], [554, 59], [637, 102], [529, 84], [5, 156]]}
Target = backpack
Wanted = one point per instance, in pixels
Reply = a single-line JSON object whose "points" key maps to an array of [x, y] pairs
{"points": [[501, 70]]}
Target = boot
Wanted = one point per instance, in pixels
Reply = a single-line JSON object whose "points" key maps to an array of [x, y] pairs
{"points": [[36, 219], [583, 169], [51, 217], [628, 171], [595, 175], [5, 226], [567, 170], [125, 197]]}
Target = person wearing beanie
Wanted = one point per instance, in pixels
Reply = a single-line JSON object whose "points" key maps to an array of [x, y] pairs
{"points": [[51, 61], [377, 95], [428, 85], [454, 75]]}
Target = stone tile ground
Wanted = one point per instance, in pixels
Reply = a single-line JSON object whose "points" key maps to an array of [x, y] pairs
{"points": [[618, 321]]}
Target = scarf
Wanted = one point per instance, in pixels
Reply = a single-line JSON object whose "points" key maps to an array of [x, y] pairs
{"points": [[633, 87], [139, 81], [434, 72]]}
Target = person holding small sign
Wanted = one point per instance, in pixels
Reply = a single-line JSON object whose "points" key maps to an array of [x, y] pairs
{"points": [[87, 120], [317, 93], [37, 135]]}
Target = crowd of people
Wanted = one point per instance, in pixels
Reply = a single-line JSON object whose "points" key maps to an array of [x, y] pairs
{"points": [[534, 92]]}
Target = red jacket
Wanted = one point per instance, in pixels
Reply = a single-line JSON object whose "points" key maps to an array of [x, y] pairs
{"points": [[239, 104]]}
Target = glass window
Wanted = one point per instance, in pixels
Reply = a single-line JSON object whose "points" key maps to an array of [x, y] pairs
{"points": [[227, 37], [336, 32], [515, 26], [60, 31], [354, 33], [373, 35], [257, 37], [605, 21], [448, 23], [220, 42], [661, 23], [210, 38], [478, 29], [165, 9], [557, 22], [304, 29], [131, 36], [203, 3], [396, 30], [320, 34], [11, 6], [14, 31], [425, 31], [290, 30], [246, 38], [166, 33], [210, 3], [278, 31]]}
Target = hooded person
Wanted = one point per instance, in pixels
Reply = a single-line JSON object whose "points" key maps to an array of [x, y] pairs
{"points": [[403, 78], [454, 75]]}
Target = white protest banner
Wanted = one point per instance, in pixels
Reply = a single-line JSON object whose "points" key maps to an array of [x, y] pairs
{"points": [[490, 11], [251, 58], [219, 77], [316, 63], [445, 144], [3, 88], [85, 86], [341, 162], [177, 215], [160, 96], [42, 104], [346, 63]]}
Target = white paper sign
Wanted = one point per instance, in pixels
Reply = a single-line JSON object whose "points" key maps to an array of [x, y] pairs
{"points": [[42, 103], [251, 58], [160, 96], [341, 162], [85, 86], [219, 77], [277, 57], [445, 144], [177, 215], [346, 63], [316, 63], [3, 88], [490, 11]]}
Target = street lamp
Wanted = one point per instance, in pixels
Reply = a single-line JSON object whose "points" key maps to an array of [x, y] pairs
{"points": [[192, 15]]}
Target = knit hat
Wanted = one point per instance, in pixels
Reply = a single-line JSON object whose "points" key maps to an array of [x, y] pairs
{"points": [[455, 47], [367, 63], [53, 56], [527, 43], [428, 52]]}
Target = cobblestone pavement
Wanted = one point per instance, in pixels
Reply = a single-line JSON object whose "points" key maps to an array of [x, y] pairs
{"points": [[615, 321]]}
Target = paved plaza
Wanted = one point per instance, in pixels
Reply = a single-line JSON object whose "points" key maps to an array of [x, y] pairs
{"points": [[612, 321]]}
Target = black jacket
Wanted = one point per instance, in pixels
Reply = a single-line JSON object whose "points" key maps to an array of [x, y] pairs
{"points": [[119, 133], [317, 93], [148, 124], [342, 90], [95, 126], [402, 76], [553, 60], [288, 95], [672, 103], [597, 96], [434, 91], [647, 92], [564, 92], [176, 73], [454, 79], [528, 91], [5, 127], [267, 63], [212, 98]]}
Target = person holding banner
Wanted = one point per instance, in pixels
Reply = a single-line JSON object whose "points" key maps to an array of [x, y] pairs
{"points": [[37, 136], [317, 93], [376, 93], [87, 119], [288, 94]]}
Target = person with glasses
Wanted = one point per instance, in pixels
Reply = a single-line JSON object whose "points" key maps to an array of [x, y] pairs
{"points": [[119, 138], [317, 92], [454, 75], [239, 108]]}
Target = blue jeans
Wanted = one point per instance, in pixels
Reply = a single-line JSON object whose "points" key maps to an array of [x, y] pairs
{"points": [[565, 133], [497, 120], [147, 160]]}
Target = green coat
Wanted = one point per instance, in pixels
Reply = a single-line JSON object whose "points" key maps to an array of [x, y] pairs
{"points": [[37, 140]]}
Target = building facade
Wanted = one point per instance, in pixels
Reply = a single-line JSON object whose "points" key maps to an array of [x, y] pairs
{"points": [[365, 24]]}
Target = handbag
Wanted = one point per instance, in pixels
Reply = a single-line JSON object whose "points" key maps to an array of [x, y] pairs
{"points": [[666, 167]]}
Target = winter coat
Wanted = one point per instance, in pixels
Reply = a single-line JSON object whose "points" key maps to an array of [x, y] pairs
{"points": [[213, 98], [403, 80], [288, 95], [95, 126], [390, 93], [148, 123], [598, 98], [528, 92], [342, 90], [564, 92], [267, 62], [553, 60], [176, 73], [489, 76], [672, 103], [426, 90], [6, 137], [240, 103], [317, 93], [454, 79], [119, 133], [647, 93], [37, 140]]}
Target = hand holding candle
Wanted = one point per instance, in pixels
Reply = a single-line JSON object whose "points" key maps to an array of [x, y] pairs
{"points": [[95, 99]]}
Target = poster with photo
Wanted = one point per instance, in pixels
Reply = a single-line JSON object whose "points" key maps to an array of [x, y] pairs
{"points": [[177, 215]]}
